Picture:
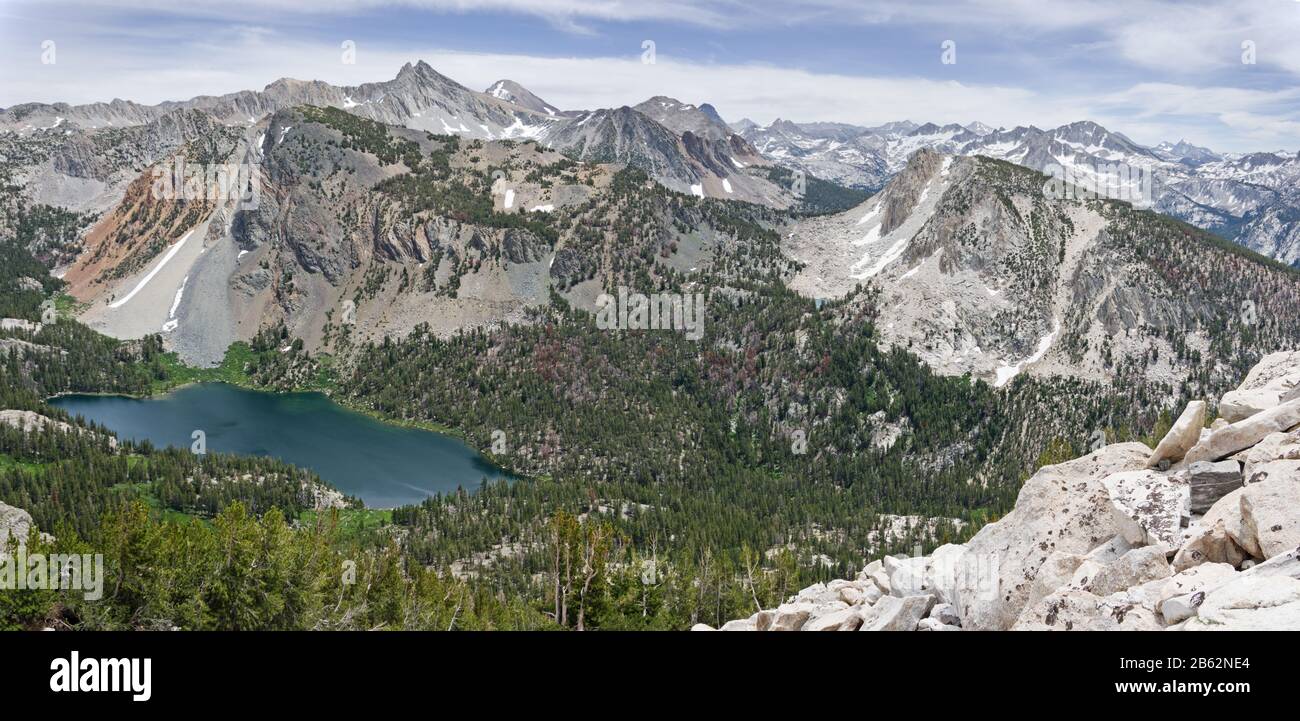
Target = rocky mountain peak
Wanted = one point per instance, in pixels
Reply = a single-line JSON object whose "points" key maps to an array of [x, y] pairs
{"points": [[784, 126], [684, 117], [417, 69], [421, 74], [512, 92], [712, 112], [285, 84]]}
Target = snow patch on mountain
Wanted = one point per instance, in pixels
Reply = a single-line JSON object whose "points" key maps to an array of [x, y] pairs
{"points": [[1007, 372], [171, 253]]}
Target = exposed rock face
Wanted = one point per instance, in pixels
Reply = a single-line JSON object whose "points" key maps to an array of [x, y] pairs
{"points": [[908, 576], [1274, 377], [1132, 569], [31, 422], [15, 524], [945, 614], [1181, 608], [1245, 433], [1184, 434], [1058, 570], [8, 345], [1181, 596], [980, 273], [512, 92], [1250, 603], [1211, 481], [1250, 197], [1274, 447], [1274, 469], [1213, 544], [848, 619], [1063, 508], [1148, 506], [1077, 610], [684, 118], [933, 624], [791, 616], [20, 324], [1268, 516], [892, 613]]}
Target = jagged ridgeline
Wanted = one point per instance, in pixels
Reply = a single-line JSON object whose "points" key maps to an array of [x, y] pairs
{"points": [[1249, 198]]}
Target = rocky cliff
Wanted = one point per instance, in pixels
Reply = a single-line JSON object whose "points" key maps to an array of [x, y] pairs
{"points": [[1200, 534]]}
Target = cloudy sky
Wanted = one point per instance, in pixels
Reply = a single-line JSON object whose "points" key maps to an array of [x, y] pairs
{"points": [[1223, 74]]}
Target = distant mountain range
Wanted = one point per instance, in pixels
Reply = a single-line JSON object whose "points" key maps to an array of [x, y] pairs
{"points": [[1253, 198]]}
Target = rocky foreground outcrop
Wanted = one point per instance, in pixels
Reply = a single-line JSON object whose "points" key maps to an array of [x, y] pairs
{"points": [[15, 524], [1203, 533]]}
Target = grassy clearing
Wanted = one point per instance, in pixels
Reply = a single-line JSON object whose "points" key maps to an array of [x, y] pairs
{"points": [[8, 462], [352, 522], [68, 306], [231, 370], [156, 508], [234, 369]]}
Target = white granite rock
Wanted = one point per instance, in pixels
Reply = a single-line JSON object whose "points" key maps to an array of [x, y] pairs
{"points": [[1182, 436], [892, 613], [1149, 506], [847, 619], [1134, 568], [1245, 433], [1063, 507]]}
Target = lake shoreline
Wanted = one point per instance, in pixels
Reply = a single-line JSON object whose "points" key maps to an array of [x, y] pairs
{"points": [[387, 463]]}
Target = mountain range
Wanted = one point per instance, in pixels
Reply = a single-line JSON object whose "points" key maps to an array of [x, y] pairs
{"points": [[981, 274], [679, 145], [1249, 198]]}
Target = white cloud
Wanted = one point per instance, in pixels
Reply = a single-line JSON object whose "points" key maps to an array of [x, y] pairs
{"points": [[564, 13], [1246, 119]]}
